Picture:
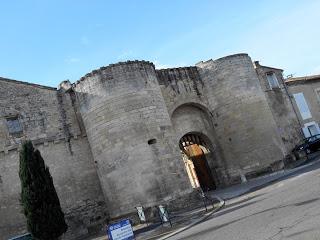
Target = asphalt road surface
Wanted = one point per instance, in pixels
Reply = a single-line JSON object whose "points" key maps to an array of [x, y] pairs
{"points": [[288, 209]]}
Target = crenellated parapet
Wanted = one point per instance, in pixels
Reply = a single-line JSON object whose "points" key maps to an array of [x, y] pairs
{"points": [[128, 65], [221, 62], [184, 79]]}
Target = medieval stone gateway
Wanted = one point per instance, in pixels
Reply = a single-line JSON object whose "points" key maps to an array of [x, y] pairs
{"points": [[128, 134]]}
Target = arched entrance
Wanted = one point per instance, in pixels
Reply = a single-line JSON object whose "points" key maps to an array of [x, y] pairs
{"points": [[194, 150]]}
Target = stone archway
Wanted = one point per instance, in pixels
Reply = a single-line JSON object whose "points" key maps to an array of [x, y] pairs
{"points": [[195, 149], [195, 120]]}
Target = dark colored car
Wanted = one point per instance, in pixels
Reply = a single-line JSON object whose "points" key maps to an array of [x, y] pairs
{"points": [[309, 145]]}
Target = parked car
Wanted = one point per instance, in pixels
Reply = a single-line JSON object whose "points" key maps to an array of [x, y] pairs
{"points": [[309, 145]]}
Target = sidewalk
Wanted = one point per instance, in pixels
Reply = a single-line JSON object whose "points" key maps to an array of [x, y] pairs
{"points": [[260, 182], [186, 219], [180, 221], [241, 189]]}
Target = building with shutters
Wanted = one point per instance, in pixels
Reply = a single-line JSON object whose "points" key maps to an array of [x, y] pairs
{"points": [[305, 92]]}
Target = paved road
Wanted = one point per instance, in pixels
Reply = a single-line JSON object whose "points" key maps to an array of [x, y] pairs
{"points": [[289, 209]]}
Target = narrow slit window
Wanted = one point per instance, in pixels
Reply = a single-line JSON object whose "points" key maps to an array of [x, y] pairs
{"points": [[318, 93], [152, 141]]}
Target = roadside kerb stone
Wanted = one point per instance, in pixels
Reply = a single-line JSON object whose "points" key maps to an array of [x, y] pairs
{"points": [[220, 205]]}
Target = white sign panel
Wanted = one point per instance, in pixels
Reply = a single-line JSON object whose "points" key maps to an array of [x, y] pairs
{"points": [[120, 231]]}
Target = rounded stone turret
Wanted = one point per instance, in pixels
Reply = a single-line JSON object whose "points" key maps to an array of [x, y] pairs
{"points": [[241, 114], [125, 115]]}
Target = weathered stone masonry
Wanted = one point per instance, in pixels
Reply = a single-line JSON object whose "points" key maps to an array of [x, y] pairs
{"points": [[48, 119], [111, 139]]}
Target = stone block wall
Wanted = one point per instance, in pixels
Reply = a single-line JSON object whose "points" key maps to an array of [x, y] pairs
{"points": [[184, 93], [181, 86], [47, 118], [281, 107], [242, 118], [129, 131]]}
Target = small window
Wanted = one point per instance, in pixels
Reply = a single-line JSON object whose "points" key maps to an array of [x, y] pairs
{"points": [[318, 93], [14, 126], [273, 81], [311, 129]]}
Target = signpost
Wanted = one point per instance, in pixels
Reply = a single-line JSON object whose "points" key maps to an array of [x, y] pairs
{"points": [[120, 231], [164, 215], [204, 199], [141, 215]]}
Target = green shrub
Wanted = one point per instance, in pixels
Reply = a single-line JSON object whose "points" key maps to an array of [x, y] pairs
{"points": [[40, 202]]}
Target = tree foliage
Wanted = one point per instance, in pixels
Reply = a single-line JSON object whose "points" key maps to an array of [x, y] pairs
{"points": [[40, 202]]}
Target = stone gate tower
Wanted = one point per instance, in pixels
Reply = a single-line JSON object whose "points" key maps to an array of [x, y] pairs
{"points": [[128, 128], [242, 117]]}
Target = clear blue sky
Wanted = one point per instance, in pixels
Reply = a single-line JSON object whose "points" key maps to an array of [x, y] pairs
{"points": [[46, 42]]}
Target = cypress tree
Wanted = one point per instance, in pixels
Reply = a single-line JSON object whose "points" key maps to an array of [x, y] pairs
{"points": [[40, 202]]}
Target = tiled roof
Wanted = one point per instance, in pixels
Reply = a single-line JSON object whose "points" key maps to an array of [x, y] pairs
{"points": [[302, 79]]}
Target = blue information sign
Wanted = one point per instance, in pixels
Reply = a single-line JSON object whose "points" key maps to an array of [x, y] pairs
{"points": [[120, 230]]}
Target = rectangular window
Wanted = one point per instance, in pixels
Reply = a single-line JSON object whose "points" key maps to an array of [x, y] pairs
{"points": [[318, 94], [311, 129], [14, 126], [302, 105], [273, 81]]}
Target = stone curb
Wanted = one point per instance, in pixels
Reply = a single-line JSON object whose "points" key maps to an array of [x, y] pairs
{"points": [[282, 175], [221, 204], [291, 171]]}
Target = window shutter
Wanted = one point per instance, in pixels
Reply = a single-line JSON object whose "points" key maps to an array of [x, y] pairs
{"points": [[306, 132]]}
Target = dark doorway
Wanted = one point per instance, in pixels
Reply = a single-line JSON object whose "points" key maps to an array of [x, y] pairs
{"points": [[194, 150]]}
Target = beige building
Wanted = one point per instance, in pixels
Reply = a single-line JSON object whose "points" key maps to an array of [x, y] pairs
{"points": [[305, 92], [130, 135]]}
